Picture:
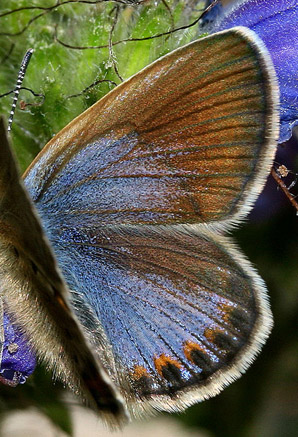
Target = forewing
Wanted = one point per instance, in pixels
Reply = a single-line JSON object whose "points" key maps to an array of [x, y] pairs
{"points": [[190, 139], [184, 312], [37, 295]]}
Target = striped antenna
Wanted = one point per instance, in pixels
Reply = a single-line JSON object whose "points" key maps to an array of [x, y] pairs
{"points": [[21, 75]]}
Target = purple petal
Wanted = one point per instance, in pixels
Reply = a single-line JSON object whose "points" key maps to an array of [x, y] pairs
{"points": [[276, 23], [18, 360]]}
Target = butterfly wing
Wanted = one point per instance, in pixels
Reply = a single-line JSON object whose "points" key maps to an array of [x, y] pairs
{"points": [[184, 311], [190, 139], [37, 295]]}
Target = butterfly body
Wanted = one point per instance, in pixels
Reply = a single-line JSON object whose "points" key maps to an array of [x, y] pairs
{"points": [[134, 196]]}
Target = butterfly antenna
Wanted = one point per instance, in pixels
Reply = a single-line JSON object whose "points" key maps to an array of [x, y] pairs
{"points": [[21, 75]]}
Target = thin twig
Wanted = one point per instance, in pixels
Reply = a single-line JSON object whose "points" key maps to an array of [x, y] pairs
{"points": [[111, 52], [26, 89], [146, 38], [49, 9], [208, 9], [27, 25], [169, 12], [5, 57], [59, 3], [91, 86], [284, 188]]}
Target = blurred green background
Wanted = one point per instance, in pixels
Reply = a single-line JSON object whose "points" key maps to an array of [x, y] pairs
{"points": [[264, 401]]}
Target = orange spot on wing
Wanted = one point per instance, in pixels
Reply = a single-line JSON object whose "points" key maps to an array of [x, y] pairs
{"points": [[139, 372], [210, 334], [226, 310], [163, 361], [221, 340], [191, 346]]}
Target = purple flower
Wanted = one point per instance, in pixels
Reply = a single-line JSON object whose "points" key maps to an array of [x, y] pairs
{"points": [[18, 360], [276, 23]]}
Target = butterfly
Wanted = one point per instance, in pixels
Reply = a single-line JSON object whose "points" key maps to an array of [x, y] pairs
{"points": [[114, 257]]}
